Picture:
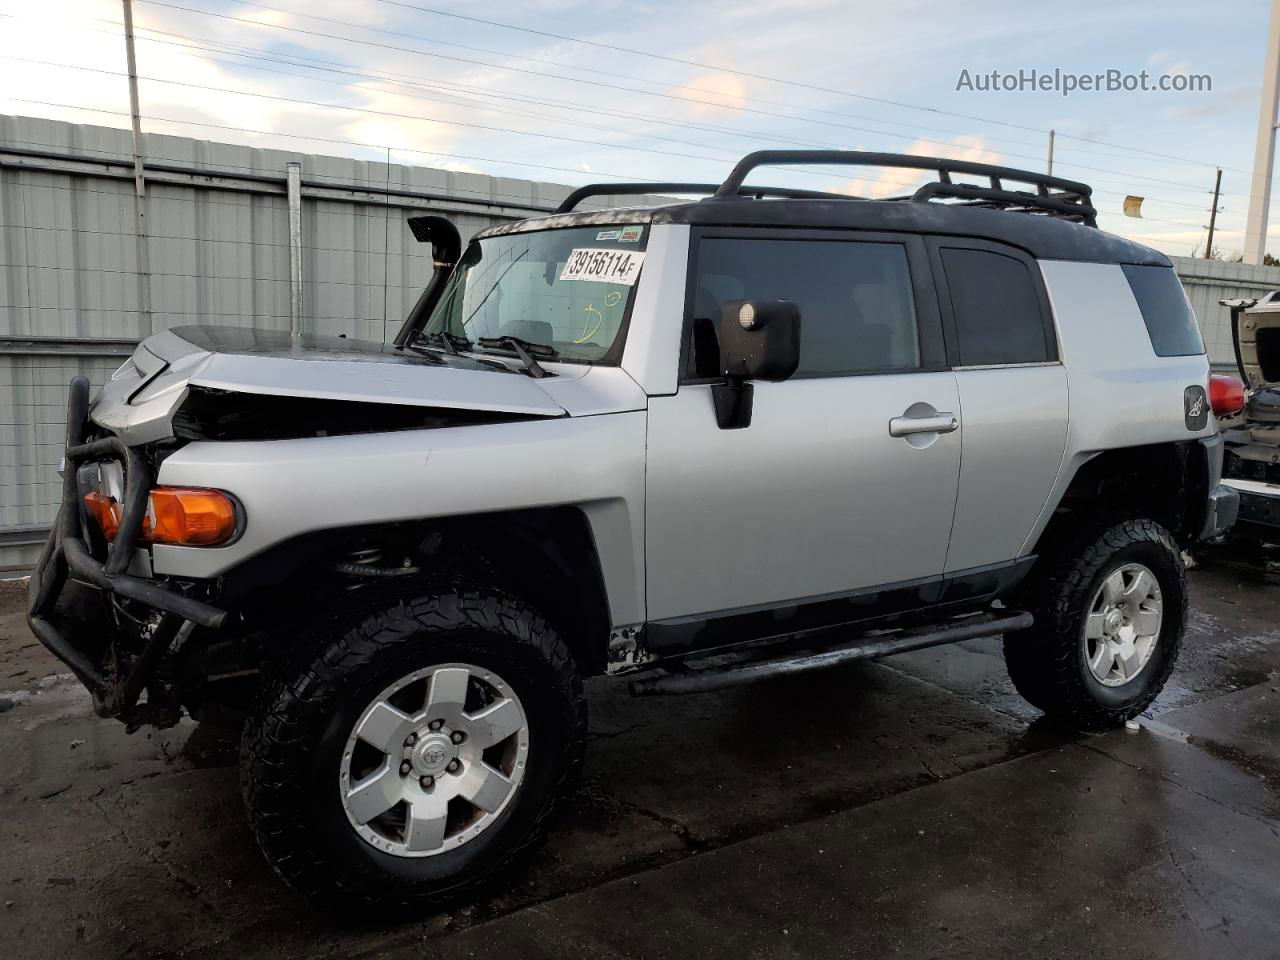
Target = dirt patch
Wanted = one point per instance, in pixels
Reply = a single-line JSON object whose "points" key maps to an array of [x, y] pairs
{"points": [[24, 662]]}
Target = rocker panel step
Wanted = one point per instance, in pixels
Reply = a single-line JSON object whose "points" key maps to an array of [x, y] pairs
{"points": [[732, 675]]}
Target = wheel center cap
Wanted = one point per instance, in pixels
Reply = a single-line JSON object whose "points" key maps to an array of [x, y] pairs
{"points": [[1113, 621], [432, 754]]}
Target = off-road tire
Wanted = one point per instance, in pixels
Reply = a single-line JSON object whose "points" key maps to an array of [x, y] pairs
{"points": [[1047, 663], [293, 740]]}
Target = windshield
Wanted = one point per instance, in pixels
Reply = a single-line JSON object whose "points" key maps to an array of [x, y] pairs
{"points": [[568, 290]]}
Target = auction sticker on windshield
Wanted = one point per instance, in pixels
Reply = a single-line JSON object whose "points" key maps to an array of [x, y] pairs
{"points": [[602, 265]]}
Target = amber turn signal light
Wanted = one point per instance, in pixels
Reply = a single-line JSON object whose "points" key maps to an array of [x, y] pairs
{"points": [[185, 516], [105, 511]]}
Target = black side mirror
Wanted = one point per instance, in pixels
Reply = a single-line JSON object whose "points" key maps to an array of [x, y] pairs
{"points": [[759, 340]]}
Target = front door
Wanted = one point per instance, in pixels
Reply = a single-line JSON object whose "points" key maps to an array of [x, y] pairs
{"points": [[840, 494]]}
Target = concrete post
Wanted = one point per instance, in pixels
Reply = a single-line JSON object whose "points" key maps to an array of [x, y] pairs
{"points": [[1255, 233]]}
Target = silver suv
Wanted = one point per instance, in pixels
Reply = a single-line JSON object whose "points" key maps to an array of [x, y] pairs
{"points": [[702, 444]]}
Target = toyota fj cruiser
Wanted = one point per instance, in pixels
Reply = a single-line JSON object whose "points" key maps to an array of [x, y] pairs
{"points": [[704, 443]]}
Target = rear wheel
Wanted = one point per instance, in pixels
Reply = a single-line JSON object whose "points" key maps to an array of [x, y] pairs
{"points": [[417, 756], [1110, 604]]}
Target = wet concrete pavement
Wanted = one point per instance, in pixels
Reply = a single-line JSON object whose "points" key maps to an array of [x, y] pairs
{"points": [[912, 807]]}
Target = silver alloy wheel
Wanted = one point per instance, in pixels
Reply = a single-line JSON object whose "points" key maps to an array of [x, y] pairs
{"points": [[434, 759], [1123, 625]]}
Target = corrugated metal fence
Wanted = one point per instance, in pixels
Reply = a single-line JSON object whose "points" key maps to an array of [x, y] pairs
{"points": [[219, 253], [1207, 282]]}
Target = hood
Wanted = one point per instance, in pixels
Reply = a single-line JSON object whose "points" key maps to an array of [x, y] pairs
{"points": [[142, 397], [1256, 333]]}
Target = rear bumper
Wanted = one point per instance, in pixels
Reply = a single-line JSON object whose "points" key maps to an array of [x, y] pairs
{"points": [[1259, 502], [1223, 502], [68, 572], [1221, 511]]}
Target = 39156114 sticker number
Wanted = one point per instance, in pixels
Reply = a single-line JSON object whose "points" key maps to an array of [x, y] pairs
{"points": [[603, 265]]}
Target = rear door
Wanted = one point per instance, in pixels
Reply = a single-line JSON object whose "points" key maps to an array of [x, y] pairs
{"points": [[831, 504], [1003, 349], [1256, 335]]}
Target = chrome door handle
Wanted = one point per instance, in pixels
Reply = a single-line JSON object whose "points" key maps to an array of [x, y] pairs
{"points": [[938, 423]]}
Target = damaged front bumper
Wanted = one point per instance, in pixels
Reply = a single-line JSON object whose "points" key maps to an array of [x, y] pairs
{"points": [[72, 592]]}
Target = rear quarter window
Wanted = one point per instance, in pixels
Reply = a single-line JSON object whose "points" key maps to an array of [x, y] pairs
{"points": [[996, 309], [1170, 322]]}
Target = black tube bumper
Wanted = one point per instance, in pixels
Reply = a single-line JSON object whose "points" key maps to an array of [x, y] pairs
{"points": [[67, 560]]}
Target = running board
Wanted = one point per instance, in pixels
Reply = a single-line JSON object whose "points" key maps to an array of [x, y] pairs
{"points": [[732, 675]]}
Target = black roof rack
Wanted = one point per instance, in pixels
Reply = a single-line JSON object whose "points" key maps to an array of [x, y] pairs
{"points": [[1049, 196], [639, 189], [1053, 196]]}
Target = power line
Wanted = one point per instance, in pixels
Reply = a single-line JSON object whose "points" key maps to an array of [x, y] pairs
{"points": [[423, 152], [756, 76], [152, 118], [542, 60], [410, 80], [635, 79], [669, 96], [310, 63], [356, 74], [427, 83], [240, 206], [429, 153], [536, 73], [405, 116], [463, 100], [346, 107]]}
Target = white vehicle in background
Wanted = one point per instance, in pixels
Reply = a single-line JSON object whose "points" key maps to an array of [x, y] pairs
{"points": [[1252, 434], [792, 428]]}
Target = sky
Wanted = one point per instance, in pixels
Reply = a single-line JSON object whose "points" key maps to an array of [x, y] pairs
{"points": [[573, 92]]}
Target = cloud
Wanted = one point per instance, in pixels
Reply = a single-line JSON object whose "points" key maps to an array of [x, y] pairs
{"points": [[893, 182], [808, 41], [718, 89], [399, 121]]}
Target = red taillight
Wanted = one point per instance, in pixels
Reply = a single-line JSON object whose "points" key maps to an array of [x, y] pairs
{"points": [[1226, 394]]}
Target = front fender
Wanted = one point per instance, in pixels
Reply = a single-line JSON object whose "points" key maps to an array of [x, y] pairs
{"points": [[291, 487]]}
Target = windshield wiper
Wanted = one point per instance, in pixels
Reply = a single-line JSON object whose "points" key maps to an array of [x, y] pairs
{"points": [[524, 349], [451, 341], [426, 353]]}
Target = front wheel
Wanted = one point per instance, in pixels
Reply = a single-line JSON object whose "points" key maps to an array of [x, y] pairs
{"points": [[418, 755], [1110, 605]]}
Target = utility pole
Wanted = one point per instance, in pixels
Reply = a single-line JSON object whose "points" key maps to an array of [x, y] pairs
{"points": [[1255, 233], [1213, 215], [1051, 150], [140, 183]]}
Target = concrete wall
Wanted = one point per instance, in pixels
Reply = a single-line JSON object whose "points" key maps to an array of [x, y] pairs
{"points": [[218, 225]]}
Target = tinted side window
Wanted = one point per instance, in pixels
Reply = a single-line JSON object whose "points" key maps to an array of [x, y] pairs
{"points": [[996, 308], [1170, 322], [857, 311]]}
